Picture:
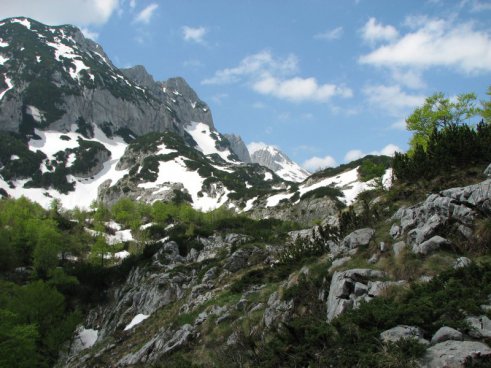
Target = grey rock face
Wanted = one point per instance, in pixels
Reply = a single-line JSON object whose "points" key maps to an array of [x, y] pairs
{"points": [[238, 147], [446, 333], [458, 207], [454, 354], [277, 310], [403, 332], [348, 288], [165, 342]]}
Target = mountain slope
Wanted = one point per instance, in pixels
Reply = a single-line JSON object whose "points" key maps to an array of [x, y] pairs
{"points": [[277, 161]]}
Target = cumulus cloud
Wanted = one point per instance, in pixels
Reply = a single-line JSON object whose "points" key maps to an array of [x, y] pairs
{"points": [[317, 163], [373, 31], [79, 12], [194, 34], [435, 42], [330, 35], [268, 75], [355, 154], [392, 99], [145, 16], [299, 89], [253, 65]]}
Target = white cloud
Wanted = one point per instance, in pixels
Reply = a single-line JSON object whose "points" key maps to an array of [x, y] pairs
{"points": [[194, 34], [436, 42], [392, 99], [299, 89], [132, 4], [409, 78], [145, 16], [89, 34], [268, 75], [373, 31], [317, 163], [79, 12], [332, 34], [257, 64], [355, 154]]}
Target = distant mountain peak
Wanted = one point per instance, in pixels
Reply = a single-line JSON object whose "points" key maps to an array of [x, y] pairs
{"points": [[274, 159]]}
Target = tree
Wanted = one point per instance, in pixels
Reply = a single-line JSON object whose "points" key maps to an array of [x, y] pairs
{"points": [[438, 112], [486, 108], [48, 245]]}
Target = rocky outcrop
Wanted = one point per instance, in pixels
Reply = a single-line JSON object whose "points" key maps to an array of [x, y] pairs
{"points": [[349, 288], [456, 208], [455, 354], [238, 147]]}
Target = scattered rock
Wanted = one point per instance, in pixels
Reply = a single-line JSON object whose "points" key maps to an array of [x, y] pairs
{"points": [[487, 171], [395, 231], [338, 262], [403, 332], [373, 259], [461, 262], [480, 326], [277, 310], [446, 333], [430, 245], [454, 354], [383, 247], [358, 238]]}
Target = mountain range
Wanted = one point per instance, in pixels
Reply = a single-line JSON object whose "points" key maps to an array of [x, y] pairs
{"points": [[78, 129]]}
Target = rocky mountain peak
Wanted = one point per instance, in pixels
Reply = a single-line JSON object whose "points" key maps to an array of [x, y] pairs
{"points": [[238, 147], [277, 161]]}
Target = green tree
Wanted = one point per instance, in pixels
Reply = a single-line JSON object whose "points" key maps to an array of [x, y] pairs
{"points": [[438, 112], [48, 245], [486, 108]]}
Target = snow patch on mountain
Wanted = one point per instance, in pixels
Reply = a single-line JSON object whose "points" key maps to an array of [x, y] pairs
{"points": [[207, 140], [86, 189], [8, 81], [277, 161]]}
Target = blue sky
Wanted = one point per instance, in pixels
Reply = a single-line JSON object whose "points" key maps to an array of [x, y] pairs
{"points": [[326, 81]]}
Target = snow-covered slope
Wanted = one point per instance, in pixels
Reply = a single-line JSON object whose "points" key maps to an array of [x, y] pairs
{"points": [[277, 161]]}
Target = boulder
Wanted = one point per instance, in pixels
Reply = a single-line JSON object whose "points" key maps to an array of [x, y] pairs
{"points": [[446, 333], [461, 262], [487, 171], [358, 238], [454, 354], [430, 245], [403, 332], [480, 326], [395, 231]]}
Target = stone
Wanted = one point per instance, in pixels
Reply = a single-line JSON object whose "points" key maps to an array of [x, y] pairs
{"points": [[373, 259], [461, 262], [454, 354], [338, 262], [395, 231], [378, 288], [480, 326], [383, 247], [403, 332], [430, 245], [358, 238], [446, 333], [398, 248], [345, 287], [210, 275], [241, 304], [487, 171], [277, 310]]}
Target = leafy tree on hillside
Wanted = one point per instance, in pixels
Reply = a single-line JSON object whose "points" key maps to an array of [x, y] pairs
{"points": [[437, 113], [486, 108]]}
